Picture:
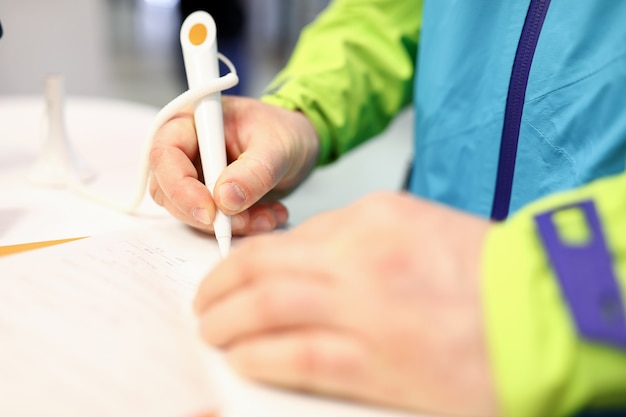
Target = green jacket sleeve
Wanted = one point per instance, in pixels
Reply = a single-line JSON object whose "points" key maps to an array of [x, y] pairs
{"points": [[542, 366], [351, 70]]}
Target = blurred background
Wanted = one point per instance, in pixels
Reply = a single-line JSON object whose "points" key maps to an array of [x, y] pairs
{"points": [[129, 49]]}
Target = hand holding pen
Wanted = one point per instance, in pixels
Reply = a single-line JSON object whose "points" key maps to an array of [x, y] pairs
{"points": [[269, 151]]}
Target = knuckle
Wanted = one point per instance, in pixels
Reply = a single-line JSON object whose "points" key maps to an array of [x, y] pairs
{"points": [[317, 360], [155, 156], [152, 185], [263, 172], [183, 193], [309, 359], [156, 194], [175, 193], [386, 203], [270, 306], [383, 197]]}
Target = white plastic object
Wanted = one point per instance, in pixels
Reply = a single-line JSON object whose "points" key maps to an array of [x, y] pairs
{"points": [[199, 45], [58, 164]]}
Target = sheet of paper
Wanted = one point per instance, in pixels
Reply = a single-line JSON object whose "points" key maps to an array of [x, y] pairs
{"points": [[103, 327]]}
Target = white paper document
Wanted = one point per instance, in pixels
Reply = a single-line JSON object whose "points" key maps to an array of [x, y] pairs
{"points": [[103, 327]]}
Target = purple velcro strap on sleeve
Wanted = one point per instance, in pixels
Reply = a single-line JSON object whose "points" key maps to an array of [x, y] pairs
{"points": [[586, 277]]}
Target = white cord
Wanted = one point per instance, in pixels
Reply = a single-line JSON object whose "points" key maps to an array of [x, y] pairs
{"points": [[186, 99]]}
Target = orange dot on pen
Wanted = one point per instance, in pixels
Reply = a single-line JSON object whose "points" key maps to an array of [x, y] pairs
{"points": [[197, 34]]}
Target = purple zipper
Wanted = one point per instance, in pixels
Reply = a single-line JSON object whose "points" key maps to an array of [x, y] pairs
{"points": [[535, 17], [587, 279]]}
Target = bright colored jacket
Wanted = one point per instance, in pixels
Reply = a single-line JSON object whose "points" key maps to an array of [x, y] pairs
{"points": [[547, 81]]}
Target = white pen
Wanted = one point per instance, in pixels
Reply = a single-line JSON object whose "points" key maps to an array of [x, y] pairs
{"points": [[199, 45]]}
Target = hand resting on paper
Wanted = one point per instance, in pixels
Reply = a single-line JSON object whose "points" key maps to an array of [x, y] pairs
{"points": [[376, 302], [270, 151]]}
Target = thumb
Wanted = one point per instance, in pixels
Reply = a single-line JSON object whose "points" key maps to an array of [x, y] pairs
{"points": [[246, 180]]}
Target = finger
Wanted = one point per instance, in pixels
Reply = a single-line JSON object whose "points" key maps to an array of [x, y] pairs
{"points": [[159, 198], [257, 258], [173, 172], [322, 361], [190, 201], [176, 178], [261, 218], [267, 306]]}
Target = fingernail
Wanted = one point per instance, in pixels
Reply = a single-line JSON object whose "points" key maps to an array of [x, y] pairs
{"points": [[232, 196], [202, 215]]}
